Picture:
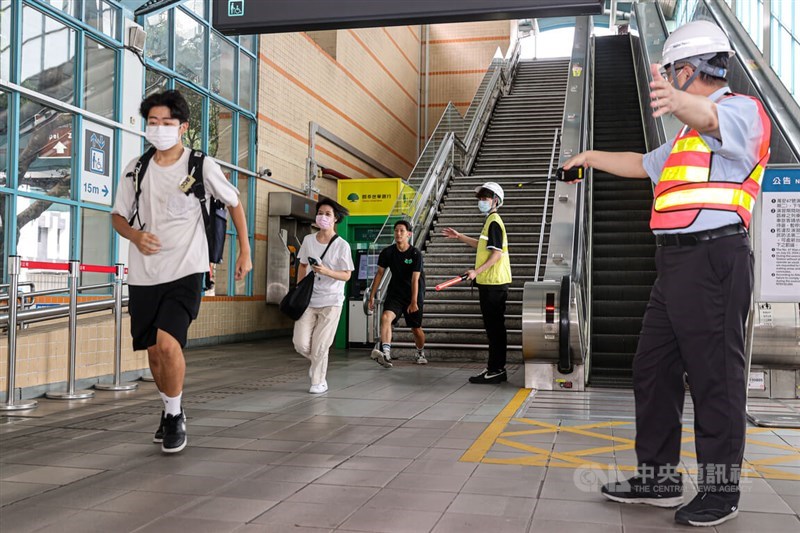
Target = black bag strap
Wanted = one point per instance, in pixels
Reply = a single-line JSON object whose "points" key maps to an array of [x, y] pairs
{"points": [[196, 159], [137, 175], [335, 236]]}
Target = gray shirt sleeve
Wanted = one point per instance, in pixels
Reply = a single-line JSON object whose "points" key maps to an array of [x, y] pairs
{"points": [[654, 161]]}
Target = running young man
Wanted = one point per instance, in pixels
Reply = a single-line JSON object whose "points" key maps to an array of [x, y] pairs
{"points": [[169, 256], [405, 295]]}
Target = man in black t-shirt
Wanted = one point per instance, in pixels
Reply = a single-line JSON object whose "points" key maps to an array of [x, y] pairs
{"points": [[405, 295]]}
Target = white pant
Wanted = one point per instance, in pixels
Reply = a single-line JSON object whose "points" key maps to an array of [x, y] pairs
{"points": [[313, 336]]}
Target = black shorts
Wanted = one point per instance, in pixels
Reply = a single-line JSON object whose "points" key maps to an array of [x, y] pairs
{"points": [[399, 306], [168, 306]]}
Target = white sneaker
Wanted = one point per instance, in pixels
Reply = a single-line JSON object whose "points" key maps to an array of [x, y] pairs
{"points": [[318, 389], [381, 358], [421, 358]]}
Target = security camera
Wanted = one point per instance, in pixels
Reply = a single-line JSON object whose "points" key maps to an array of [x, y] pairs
{"points": [[265, 172]]}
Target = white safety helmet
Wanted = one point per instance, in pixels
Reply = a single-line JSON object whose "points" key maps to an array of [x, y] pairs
{"points": [[494, 188], [698, 38]]}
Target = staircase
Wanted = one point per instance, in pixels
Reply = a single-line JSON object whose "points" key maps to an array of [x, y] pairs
{"points": [[516, 148], [623, 248]]}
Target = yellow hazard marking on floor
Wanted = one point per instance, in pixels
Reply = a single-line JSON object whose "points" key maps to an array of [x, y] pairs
{"points": [[481, 446], [495, 439]]}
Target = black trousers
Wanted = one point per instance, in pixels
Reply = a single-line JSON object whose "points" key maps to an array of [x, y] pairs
{"points": [[694, 323], [493, 308]]}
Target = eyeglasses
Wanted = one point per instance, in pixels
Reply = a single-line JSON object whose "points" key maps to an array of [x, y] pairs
{"points": [[666, 71]]}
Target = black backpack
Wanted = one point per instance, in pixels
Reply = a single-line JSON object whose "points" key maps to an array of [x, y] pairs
{"points": [[215, 219]]}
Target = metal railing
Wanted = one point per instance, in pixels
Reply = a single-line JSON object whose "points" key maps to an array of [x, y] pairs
{"points": [[452, 148], [16, 314]]}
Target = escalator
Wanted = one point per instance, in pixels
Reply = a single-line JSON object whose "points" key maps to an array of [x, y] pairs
{"points": [[623, 247]]}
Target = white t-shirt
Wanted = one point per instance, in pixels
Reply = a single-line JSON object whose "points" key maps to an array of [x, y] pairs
{"points": [[327, 291], [172, 216]]}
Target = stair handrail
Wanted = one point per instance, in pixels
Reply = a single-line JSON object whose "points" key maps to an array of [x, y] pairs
{"points": [[452, 155]]}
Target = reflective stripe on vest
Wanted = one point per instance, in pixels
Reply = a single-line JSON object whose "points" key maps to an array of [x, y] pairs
{"points": [[500, 272], [685, 189]]}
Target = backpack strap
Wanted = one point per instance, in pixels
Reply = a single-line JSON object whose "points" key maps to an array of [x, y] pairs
{"points": [[196, 159], [138, 174]]}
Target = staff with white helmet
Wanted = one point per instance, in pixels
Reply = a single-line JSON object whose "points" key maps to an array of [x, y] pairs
{"points": [[492, 275], [694, 322]]}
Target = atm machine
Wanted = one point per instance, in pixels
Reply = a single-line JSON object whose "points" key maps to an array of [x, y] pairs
{"points": [[289, 220]]}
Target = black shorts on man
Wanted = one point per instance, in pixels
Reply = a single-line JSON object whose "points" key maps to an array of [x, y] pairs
{"points": [[170, 307], [399, 306]]}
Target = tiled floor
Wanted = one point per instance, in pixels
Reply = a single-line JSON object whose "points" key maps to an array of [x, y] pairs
{"points": [[382, 451]]}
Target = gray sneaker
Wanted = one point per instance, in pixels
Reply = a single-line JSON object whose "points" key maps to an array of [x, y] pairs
{"points": [[421, 358], [382, 359]]}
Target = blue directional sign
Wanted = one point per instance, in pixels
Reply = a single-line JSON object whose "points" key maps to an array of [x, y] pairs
{"points": [[97, 156]]}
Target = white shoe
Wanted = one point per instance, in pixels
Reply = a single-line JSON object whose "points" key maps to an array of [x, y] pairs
{"points": [[381, 358], [421, 358], [318, 389]]}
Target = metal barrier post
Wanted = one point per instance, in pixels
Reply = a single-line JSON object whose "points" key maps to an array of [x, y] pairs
{"points": [[13, 276], [71, 394], [117, 386]]}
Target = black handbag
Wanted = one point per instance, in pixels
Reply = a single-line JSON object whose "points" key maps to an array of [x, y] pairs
{"points": [[296, 301]]}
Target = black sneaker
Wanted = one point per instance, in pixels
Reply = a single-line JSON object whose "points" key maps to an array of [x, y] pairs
{"points": [[667, 493], [709, 509], [174, 433], [159, 436], [490, 377]]}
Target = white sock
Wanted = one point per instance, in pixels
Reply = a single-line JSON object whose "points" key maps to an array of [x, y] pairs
{"points": [[172, 406]]}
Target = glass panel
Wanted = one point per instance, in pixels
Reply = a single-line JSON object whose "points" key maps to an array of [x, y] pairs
{"points": [[102, 16], [245, 142], [45, 150], [220, 132], [48, 56], [190, 39], [248, 42], [100, 74], [221, 270], [154, 82], [223, 63], [245, 81], [157, 41], [198, 6], [785, 55], [3, 140], [193, 138], [243, 185], [95, 245], [70, 7], [5, 39], [43, 229]]}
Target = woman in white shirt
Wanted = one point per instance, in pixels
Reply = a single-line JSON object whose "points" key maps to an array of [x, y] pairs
{"points": [[315, 330]]}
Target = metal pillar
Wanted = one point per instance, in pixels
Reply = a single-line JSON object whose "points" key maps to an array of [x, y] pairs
{"points": [[117, 386], [71, 394], [13, 276]]}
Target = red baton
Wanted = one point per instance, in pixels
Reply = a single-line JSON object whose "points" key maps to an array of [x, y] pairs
{"points": [[451, 282]]}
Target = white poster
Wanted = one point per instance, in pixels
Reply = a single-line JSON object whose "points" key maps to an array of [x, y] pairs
{"points": [[780, 236]]}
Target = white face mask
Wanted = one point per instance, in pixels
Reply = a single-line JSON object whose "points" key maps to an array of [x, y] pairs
{"points": [[163, 137], [484, 206]]}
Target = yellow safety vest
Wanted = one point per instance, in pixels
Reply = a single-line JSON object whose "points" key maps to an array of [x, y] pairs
{"points": [[500, 272]]}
